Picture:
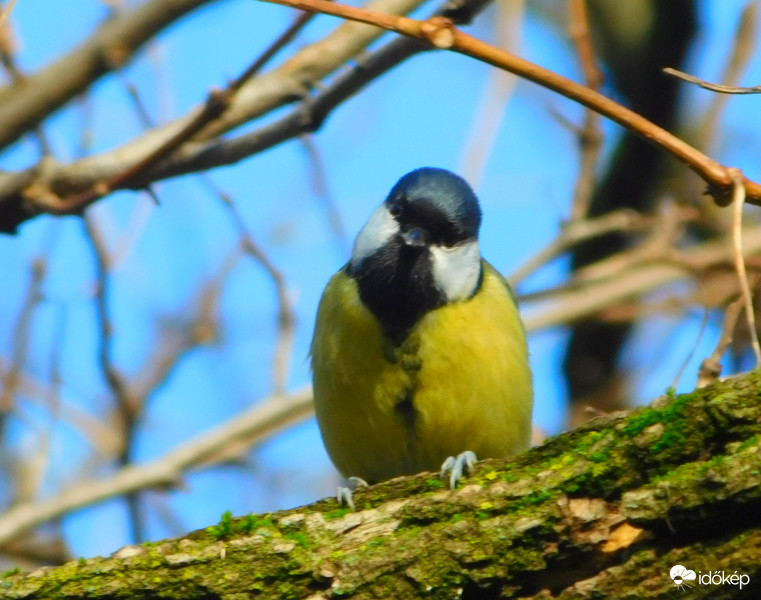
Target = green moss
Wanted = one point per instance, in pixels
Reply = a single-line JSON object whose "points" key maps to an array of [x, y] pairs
{"points": [[379, 541], [229, 526], [674, 411], [434, 484], [751, 441], [13, 571], [534, 498], [300, 538], [337, 513], [223, 529]]}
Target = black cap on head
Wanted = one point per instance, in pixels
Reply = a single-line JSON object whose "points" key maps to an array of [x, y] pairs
{"points": [[438, 199]]}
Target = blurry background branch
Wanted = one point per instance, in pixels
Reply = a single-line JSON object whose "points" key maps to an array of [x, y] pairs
{"points": [[31, 98], [246, 429], [41, 189]]}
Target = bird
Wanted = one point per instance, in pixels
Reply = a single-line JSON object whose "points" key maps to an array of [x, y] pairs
{"points": [[419, 355]]}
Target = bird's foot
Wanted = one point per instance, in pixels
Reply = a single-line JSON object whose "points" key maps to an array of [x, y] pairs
{"points": [[456, 466], [344, 495]]}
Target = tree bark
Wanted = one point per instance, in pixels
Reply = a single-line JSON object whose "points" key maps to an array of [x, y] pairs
{"points": [[604, 511]]}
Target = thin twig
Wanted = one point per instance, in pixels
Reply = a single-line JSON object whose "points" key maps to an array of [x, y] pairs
{"points": [[175, 345], [21, 337], [286, 318], [574, 233], [6, 11], [7, 45], [691, 353], [500, 85], [714, 87], [745, 42], [737, 244], [128, 408], [216, 104], [8, 60], [442, 34], [582, 299], [590, 136], [114, 379], [319, 180], [710, 367]]}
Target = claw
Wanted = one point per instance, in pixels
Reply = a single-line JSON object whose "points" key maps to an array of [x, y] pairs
{"points": [[344, 495], [458, 465]]}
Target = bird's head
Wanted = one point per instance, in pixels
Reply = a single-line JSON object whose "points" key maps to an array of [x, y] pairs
{"points": [[424, 235]]}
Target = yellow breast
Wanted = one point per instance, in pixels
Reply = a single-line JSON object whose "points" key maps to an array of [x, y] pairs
{"points": [[459, 381]]}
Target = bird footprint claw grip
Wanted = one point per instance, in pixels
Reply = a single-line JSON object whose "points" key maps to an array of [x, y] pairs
{"points": [[456, 466], [344, 495]]}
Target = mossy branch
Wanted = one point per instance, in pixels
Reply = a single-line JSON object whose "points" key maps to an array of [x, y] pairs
{"points": [[604, 511]]}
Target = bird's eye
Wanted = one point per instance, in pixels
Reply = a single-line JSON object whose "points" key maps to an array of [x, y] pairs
{"points": [[396, 208]]}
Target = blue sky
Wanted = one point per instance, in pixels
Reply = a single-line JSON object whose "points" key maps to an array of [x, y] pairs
{"points": [[418, 115]]}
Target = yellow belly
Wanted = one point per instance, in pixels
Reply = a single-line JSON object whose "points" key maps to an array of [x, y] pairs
{"points": [[460, 381]]}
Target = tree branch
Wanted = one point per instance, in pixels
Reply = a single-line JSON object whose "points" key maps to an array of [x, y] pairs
{"points": [[24, 104], [602, 512], [441, 33], [40, 189]]}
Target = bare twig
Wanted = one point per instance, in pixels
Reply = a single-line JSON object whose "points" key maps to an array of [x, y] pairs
{"points": [[500, 85], [7, 45], [216, 104], [21, 336], [110, 47], [442, 34], [590, 135], [710, 368], [579, 231], [114, 379], [319, 181], [128, 408], [579, 300], [25, 194], [691, 353], [286, 317], [6, 11], [714, 87], [745, 42], [175, 345], [737, 244]]}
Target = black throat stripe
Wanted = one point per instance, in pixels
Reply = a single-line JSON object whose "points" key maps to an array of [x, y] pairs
{"points": [[397, 286]]}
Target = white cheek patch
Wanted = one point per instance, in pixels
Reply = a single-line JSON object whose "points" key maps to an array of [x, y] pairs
{"points": [[456, 270], [374, 235]]}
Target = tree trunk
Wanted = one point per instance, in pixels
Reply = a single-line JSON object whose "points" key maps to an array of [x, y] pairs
{"points": [[604, 511]]}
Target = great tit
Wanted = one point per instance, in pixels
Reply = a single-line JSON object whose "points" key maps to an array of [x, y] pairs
{"points": [[419, 352]]}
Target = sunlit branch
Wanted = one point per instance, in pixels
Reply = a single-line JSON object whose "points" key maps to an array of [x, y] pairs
{"points": [[441, 33], [27, 193]]}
